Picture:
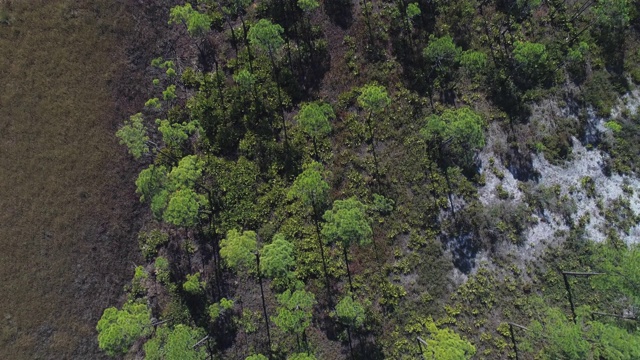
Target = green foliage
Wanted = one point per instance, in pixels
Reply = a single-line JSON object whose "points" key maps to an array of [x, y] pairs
{"points": [[187, 174], [613, 15], [238, 248], [374, 98], [301, 356], [196, 22], [248, 321], [350, 312], [257, 357], [600, 92], [310, 186], [133, 134], [443, 343], [170, 92], [623, 269], [150, 181], [237, 6], [159, 203], [169, 64], [475, 62], [382, 205], [462, 131], [193, 285], [556, 337], [266, 35], [150, 241], [561, 337], [162, 270], [157, 62], [442, 53], [119, 329], [241, 196], [532, 62], [175, 134], [630, 273], [219, 308], [347, 222], [277, 258], [308, 5], [612, 342], [413, 10], [184, 207], [314, 119], [137, 283], [245, 79], [294, 313], [175, 344], [613, 126], [239, 161], [577, 53], [153, 103]]}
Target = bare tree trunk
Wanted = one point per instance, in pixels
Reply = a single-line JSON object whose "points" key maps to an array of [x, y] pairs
{"points": [[264, 304]]}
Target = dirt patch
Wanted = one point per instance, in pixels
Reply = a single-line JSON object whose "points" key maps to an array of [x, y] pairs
{"points": [[69, 214]]}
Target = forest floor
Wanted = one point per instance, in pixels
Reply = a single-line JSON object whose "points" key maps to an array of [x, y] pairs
{"points": [[68, 218]]}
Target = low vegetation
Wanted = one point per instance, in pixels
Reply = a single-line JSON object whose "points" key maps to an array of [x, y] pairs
{"points": [[313, 175]]}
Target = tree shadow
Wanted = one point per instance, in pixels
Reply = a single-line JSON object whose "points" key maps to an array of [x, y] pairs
{"points": [[340, 12], [463, 250]]}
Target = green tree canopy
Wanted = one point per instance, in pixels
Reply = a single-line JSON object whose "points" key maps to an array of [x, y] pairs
{"points": [[187, 173], [613, 15], [266, 35], [556, 337], [623, 271], [445, 344], [175, 134], [308, 5], [184, 207], [196, 22], [460, 129], [238, 6], [374, 98], [193, 285], [533, 64], [474, 62], [442, 53], [175, 344], [150, 181], [238, 248], [347, 222], [350, 312], [277, 258], [295, 312], [245, 79], [612, 342], [630, 273], [133, 134], [257, 357], [314, 119], [413, 10], [301, 356], [310, 186], [119, 329]]}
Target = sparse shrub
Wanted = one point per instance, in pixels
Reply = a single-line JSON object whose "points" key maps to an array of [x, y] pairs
{"points": [[193, 285]]}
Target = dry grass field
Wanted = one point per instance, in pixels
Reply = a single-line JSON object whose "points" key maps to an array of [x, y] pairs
{"points": [[67, 216]]}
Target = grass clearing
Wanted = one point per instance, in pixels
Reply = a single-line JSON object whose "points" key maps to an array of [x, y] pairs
{"points": [[66, 195]]}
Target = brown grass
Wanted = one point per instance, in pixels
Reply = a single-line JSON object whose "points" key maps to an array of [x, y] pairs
{"points": [[66, 224]]}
